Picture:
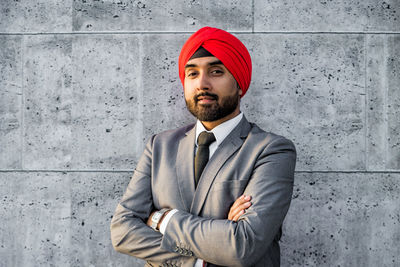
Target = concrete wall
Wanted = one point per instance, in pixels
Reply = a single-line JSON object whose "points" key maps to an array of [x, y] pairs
{"points": [[84, 83]]}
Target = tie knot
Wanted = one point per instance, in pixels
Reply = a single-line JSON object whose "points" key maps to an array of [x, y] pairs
{"points": [[205, 138]]}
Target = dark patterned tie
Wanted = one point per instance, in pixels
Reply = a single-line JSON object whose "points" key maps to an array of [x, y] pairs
{"points": [[202, 155]]}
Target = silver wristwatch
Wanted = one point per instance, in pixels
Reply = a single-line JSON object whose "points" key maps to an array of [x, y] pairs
{"points": [[155, 219]]}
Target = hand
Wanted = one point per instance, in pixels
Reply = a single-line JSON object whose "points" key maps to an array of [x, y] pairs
{"points": [[239, 207], [149, 219]]}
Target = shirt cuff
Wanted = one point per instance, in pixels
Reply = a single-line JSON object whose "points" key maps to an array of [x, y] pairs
{"points": [[199, 263], [166, 219]]}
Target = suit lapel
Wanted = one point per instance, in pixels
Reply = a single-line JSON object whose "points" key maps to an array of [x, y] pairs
{"points": [[185, 167], [229, 146]]}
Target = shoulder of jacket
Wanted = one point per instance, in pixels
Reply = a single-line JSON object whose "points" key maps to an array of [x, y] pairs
{"points": [[174, 133], [265, 137]]}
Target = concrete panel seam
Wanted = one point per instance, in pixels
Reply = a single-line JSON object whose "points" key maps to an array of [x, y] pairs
{"points": [[366, 104], [111, 32], [66, 171], [131, 171], [139, 84], [252, 14], [386, 98], [22, 131], [364, 172], [190, 32], [323, 32]]}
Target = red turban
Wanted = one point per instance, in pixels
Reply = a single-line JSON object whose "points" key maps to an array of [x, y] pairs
{"points": [[224, 46]]}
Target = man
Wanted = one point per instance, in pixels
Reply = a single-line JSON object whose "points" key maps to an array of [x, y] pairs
{"points": [[179, 209]]}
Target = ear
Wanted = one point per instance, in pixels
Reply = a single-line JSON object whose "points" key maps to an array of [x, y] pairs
{"points": [[240, 90]]}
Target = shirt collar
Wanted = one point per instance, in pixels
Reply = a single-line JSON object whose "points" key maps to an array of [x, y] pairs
{"points": [[221, 131]]}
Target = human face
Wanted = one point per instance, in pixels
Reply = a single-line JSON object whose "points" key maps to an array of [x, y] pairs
{"points": [[211, 92]]}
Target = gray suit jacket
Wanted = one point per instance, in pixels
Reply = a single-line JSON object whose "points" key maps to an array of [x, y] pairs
{"points": [[249, 161]]}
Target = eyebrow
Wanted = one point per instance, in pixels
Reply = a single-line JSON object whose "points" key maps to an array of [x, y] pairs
{"points": [[217, 62]]}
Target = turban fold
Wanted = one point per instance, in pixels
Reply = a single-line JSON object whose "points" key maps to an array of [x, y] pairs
{"points": [[224, 46]]}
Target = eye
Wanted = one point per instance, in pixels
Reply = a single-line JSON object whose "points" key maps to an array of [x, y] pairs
{"points": [[191, 73], [217, 71]]}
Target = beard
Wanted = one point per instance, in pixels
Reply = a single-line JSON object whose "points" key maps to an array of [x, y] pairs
{"points": [[213, 111]]}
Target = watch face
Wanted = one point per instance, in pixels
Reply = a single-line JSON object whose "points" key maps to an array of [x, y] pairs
{"points": [[155, 219], [156, 216]]}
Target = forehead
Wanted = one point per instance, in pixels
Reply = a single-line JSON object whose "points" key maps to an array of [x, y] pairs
{"points": [[202, 61]]}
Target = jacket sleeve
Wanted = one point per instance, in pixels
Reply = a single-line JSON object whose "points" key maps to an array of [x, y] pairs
{"points": [[242, 243], [129, 231]]}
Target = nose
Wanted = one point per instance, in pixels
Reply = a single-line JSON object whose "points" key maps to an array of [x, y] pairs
{"points": [[203, 82]]}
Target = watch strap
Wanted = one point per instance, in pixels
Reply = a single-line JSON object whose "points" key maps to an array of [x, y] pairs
{"points": [[156, 218]]}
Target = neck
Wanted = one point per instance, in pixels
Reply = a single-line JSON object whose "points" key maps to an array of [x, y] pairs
{"points": [[209, 125]]}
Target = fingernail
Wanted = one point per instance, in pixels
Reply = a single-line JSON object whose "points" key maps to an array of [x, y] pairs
{"points": [[247, 198]]}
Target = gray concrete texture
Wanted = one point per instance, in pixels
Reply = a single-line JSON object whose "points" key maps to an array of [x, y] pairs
{"points": [[84, 84]]}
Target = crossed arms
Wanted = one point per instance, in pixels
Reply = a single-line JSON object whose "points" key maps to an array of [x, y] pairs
{"points": [[241, 239], [237, 209]]}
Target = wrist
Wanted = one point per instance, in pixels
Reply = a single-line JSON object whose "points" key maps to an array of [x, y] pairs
{"points": [[162, 218], [157, 217]]}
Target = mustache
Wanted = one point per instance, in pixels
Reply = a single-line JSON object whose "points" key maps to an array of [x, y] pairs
{"points": [[196, 97]]}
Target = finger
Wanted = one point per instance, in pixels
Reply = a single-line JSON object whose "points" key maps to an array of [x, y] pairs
{"points": [[242, 199], [240, 207], [239, 210], [237, 206], [238, 201], [232, 213], [237, 216], [243, 209]]}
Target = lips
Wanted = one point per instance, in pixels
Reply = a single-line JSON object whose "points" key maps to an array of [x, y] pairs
{"points": [[205, 99]]}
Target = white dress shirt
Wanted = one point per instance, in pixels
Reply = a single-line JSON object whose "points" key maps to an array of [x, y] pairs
{"points": [[220, 132]]}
